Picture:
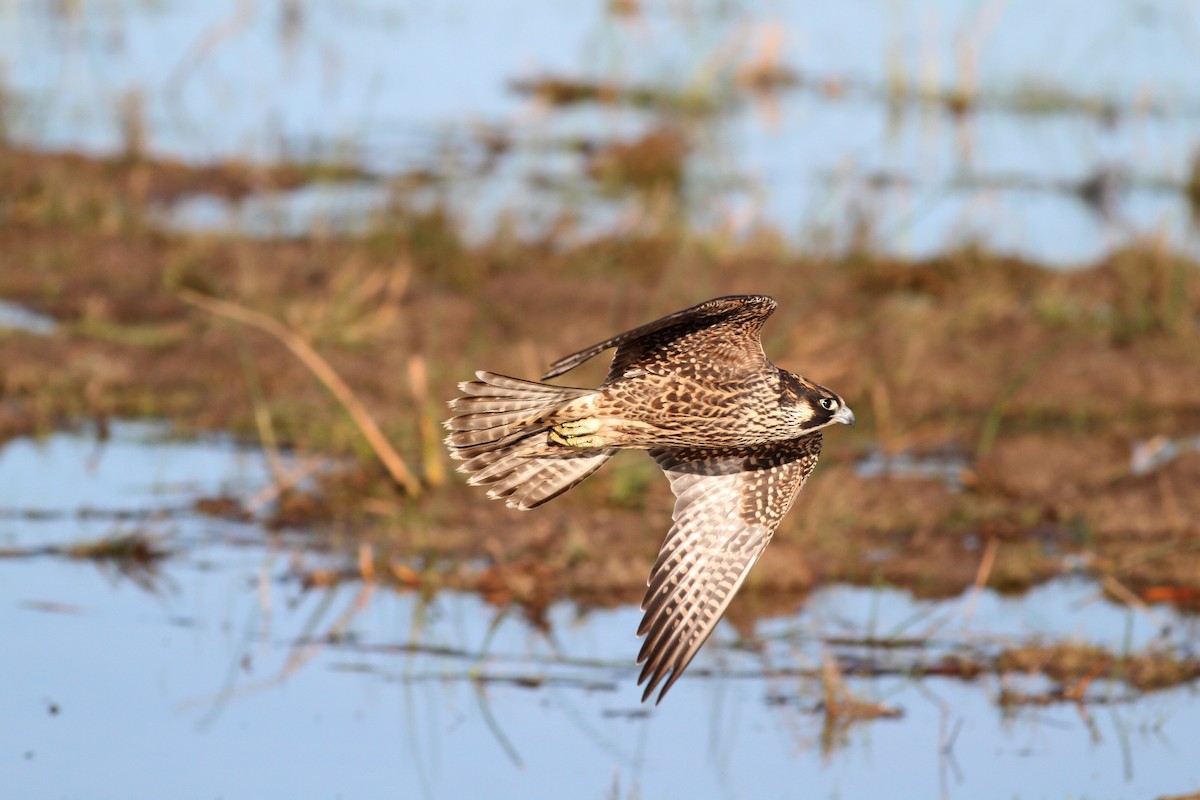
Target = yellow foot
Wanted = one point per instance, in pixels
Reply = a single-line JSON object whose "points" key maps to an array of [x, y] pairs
{"points": [[580, 433]]}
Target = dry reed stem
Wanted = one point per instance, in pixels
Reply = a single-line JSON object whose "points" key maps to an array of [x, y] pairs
{"points": [[986, 563], [320, 368]]}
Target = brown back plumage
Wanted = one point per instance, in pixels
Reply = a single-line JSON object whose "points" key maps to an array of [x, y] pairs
{"points": [[724, 330]]}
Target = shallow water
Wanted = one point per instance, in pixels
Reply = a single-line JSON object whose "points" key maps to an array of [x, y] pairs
{"points": [[1080, 92], [947, 467], [220, 677], [18, 318]]}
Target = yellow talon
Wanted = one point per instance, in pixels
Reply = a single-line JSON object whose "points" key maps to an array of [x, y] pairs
{"points": [[580, 433]]}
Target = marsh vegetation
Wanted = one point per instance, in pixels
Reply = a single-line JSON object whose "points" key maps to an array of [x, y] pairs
{"points": [[1029, 405]]}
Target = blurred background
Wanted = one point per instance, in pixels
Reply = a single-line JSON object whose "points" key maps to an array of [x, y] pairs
{"points": [[248, 248], [1056, 132]]}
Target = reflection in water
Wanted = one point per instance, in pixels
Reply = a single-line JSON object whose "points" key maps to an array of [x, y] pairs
{"points": [[232, 680]]}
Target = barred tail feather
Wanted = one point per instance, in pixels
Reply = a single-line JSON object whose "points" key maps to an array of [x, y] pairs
{"points": [[524, 481], [500, 437]]}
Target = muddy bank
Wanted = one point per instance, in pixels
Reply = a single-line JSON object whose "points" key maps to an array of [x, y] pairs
{"points": [[1066, 400]]}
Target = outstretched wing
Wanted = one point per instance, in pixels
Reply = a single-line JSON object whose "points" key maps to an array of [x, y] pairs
{"points": [[728, 505], [724, 330]]}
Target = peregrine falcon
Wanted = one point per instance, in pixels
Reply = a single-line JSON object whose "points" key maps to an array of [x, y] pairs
{"points": [[735, 435]]}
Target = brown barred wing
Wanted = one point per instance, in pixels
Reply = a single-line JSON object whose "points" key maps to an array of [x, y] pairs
{"points": [[724, 331], [728, 505]]}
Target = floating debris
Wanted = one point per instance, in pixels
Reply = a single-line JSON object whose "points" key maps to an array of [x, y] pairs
{"points": [[561, 91], [51, 607], [135, 555]]}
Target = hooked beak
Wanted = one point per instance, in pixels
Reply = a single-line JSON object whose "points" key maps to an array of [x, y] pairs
{"points": [[845, 416]]}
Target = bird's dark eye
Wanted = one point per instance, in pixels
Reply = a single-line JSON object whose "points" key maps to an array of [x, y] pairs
{"points": [[828, 404]]}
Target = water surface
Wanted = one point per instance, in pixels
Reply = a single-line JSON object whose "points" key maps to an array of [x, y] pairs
{"points": [[1080, 136], [222, 677]]}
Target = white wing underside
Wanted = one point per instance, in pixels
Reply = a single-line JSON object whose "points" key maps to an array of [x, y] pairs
{"points": [[728, 505]]}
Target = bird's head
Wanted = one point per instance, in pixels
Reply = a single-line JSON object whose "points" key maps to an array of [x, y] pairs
{"points": [[810, 406]]}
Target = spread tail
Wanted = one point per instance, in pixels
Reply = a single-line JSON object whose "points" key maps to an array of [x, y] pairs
{"points": [[499, 432]]}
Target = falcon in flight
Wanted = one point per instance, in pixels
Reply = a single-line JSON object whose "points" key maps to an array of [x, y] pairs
{"points": [[735, 435]]}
